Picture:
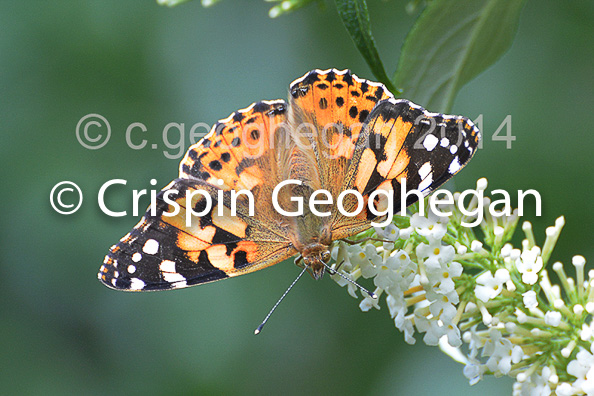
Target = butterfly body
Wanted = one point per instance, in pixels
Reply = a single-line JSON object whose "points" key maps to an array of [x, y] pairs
{"points": [[337, 133]]}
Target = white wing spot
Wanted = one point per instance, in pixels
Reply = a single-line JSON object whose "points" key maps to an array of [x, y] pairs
{"points": [[113, 281], [131, 269], [136, 284], [116, 274], [151, 246], [445, 142], [430, 142], [167, 266], [454, 166], [178, 280], [426, 183], [136, 257], [425, 170], [453, 149]]}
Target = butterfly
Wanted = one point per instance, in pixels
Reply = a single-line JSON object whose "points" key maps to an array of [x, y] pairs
{"points": [[337, 133]]}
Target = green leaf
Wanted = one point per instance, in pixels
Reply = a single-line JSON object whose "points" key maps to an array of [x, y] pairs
{"points": [[450, 44], [355, 17]]}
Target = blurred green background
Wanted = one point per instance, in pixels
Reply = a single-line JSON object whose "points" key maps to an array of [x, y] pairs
{"points": [[62, 332]]}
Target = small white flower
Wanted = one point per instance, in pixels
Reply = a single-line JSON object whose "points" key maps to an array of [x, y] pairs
{"points": [[502, 353], [529, 265], [431, 227], [370, 261], [443, 310], [441, 276], [453, 333], [386, 276], [583, 369], [530, 299], [435, 250], [474, 371], [389, 233], [433, 331], [489, 286], [405, 233], [553, 318]]}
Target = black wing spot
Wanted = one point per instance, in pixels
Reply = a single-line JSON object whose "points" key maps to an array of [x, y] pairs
{"points": [[355, 93], [261, 107], [322, 86], [240, 259], [206, 143], [236, 141], [363, 115], [364, 87], [323, 104], [311, 78], [379, 92], [348, 78], [331, 76], [339, 101], [353, 111], [200, 206], [238, 117], [215, 165], [225, 157], [338, 86], [196, 168]]}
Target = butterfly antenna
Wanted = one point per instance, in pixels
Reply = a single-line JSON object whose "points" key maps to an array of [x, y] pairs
{"points": [[259, 329], [333, 271]]}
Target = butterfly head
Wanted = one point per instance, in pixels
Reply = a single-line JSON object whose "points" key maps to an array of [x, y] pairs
{"points": [[314, 257]]}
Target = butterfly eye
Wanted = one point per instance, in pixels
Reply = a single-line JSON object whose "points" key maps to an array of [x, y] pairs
{"points": [[326, 257]]}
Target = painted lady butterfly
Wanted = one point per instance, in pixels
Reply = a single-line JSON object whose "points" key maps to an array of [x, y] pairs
{"points": [[337, 132]]}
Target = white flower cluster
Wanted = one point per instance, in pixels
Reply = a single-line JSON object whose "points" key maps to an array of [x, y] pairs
{"points": [[489, 306]]}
